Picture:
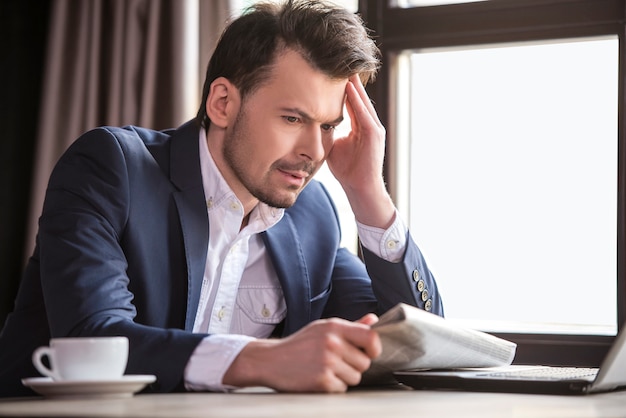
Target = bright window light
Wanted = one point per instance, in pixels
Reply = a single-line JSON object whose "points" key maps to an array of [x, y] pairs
{"points": [[512, 181]]}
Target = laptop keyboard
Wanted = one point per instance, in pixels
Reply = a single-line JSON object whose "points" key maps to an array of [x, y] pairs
{"points": [[547, 373]]}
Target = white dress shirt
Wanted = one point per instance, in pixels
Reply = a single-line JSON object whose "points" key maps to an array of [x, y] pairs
{"points": [[241, 297]]}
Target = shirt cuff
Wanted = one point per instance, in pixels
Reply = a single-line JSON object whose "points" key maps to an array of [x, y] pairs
{"points": [[211, 359], [387, 244]]}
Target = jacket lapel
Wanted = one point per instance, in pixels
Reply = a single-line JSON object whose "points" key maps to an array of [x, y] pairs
{"points": [[284, 248], [190, 201], [281, 240]]}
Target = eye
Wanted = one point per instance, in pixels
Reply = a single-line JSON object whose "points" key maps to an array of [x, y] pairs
{"points": [[291, 119], [328, 128]]}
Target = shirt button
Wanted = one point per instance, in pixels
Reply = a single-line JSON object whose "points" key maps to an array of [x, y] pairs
{"points": [[420, 285], [391, 244], [428, 306], [221, 313], [234, 205], [265, 312], [416, 275]]}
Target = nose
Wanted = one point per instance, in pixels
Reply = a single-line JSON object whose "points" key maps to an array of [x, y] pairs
{"points": [[311, 144]]}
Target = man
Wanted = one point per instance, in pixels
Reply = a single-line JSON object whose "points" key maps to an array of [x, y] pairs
{"points": [[203, 244]]}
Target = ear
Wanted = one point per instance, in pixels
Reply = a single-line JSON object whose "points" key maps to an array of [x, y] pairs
{"points": [[222, 103]]}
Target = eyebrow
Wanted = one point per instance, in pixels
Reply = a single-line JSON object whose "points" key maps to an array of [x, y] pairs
{"points": [[308, 117]]}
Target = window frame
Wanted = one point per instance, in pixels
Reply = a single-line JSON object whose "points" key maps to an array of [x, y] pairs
{"points": [[500, 21]]}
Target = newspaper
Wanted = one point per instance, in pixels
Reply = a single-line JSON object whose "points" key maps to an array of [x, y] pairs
{"points": [[415, 339]]}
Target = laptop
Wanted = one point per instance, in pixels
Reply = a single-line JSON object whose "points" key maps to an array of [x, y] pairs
{"points": [[611, 375]]}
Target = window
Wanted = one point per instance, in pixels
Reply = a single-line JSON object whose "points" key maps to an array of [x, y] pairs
{"points": [[512, 180], [483, 148]]}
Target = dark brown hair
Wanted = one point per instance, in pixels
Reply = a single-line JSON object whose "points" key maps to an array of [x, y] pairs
{"points": [[332, 40]]}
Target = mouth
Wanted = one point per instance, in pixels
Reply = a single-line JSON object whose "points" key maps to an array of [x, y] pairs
{"points": [[294, 177]]}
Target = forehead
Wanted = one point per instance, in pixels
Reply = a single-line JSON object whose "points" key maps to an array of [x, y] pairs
{"points": [[293, 82]]}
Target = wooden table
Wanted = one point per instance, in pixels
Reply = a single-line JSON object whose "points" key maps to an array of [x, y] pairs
{"points": [[376, 403]]}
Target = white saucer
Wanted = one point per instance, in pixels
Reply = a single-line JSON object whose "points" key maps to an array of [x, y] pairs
{"points": [[124, 387]]}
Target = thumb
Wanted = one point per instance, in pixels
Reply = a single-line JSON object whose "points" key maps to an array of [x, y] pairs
{"points": [[369, 319]]}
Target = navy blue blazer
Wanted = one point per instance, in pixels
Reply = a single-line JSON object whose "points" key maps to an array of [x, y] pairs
{"points": [[121, 250]]}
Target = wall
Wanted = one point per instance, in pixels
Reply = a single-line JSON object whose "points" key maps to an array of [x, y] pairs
{"points": [[23, 28]]}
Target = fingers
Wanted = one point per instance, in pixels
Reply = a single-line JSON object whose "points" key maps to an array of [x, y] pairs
{"points": [[325, 356], [366, 127], [369, 319], [359, 101], [344, 361], [349, 348], [355, 338]]}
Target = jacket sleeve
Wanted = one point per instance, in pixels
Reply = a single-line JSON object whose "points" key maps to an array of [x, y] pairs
{"points": [[375, 285], [409, 281], [86, 288]]}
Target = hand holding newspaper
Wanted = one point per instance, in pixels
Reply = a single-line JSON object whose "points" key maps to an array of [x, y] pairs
{"points": [[415, 339]]}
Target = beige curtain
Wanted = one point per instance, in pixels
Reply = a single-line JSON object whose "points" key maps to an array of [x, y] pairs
{"points": [[119, 62]]}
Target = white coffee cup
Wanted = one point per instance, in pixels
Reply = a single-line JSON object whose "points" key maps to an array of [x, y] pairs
{"points": [[90, 358]]}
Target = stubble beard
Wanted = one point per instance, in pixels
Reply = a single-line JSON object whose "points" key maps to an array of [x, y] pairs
{"points": [[237, 155]]}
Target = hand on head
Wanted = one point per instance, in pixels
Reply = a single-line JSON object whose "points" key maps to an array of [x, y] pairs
{"points": [[356, 160]]}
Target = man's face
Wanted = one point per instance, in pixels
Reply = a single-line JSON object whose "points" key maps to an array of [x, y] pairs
{"points": [[283, 131]]}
